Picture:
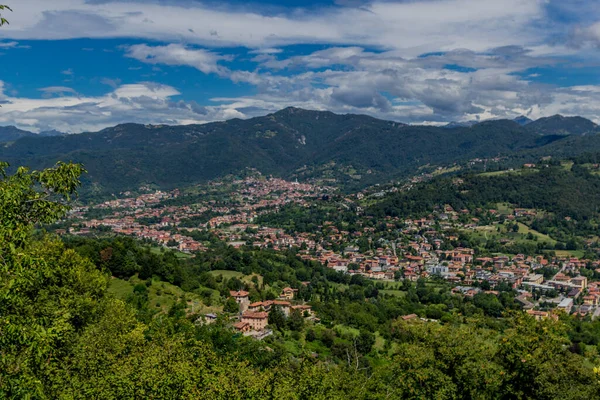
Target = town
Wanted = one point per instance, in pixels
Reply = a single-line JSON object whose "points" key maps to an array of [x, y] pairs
{"points": [[239, 212]]}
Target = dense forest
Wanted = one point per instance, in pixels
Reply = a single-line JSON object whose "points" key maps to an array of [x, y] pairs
{"points": [[573, 192], [355, 150]]}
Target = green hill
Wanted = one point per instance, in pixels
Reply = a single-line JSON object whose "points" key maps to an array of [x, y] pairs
{"points": [[567, 193], [290, 143]]}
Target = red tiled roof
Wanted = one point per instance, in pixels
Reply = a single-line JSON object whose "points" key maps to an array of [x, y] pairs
{"points": [[255, 315], [240, 325]]}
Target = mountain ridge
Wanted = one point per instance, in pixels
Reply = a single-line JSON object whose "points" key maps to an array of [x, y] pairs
{"points": [[288, 111], [355, 149]]}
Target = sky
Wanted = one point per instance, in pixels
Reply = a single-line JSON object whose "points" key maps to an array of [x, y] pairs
{"points": [[83, 65]]}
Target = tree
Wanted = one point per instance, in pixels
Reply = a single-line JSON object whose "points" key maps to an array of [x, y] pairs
{"points": [[365, 342], [47, 293], [277, 318], [295, 321], [28, 198], [231, 306]]}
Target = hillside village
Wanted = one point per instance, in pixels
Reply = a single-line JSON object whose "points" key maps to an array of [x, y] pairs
{"points": [[254, 317], [423, 248]]}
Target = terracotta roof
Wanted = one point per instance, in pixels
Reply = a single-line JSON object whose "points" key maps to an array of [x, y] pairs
{"points": [[240, 325], [255, 315]]}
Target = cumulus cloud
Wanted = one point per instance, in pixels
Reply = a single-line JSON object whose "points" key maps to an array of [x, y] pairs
{"points": [[412, 26], [146, 102], [177, 54]]}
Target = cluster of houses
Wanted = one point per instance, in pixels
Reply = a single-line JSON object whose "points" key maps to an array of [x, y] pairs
{"points": [[426, 247], [254, 317], [250, 198], [129, 226], [423, 256]]}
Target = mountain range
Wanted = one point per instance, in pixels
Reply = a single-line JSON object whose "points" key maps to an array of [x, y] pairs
{"points": [[357, 149], [12, 133]]}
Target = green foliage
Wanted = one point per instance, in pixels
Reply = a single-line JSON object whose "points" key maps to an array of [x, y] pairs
{"points": [[48, 294], [566, 193], [356, 150], [231, 306], [28, 198], [277, 318], [2, 19], [526, 360], [62, 336], [295, 321], [365, 342]]}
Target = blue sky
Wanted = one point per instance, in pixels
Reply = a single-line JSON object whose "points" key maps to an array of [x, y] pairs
{"points": [[77, 65]]}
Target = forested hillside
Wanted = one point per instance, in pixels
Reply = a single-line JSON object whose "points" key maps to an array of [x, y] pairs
{"points": [[572, 191], [354, 149], [11, 133]]}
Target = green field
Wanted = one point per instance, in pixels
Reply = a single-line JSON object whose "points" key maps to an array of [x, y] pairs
{"points": [[504, 208], [484, 232], [446, 170], [488, 232], [178, 254], [387, 284], [162, 295], [235, 274], [227, 274], [568, 165], [120, 288], [570, 253], [379, 342], [524, 230], [498, 173], [397, 293], [346, 330]]}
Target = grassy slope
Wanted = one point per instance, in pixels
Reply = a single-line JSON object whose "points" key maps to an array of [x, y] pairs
{"points": [[162, 295], [239, 275]]}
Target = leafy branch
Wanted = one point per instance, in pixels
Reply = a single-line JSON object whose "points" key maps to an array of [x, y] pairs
{"points": [[2, 19]]}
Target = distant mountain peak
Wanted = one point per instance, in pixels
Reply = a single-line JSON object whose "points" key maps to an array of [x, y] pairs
{"points": [[12, 133], [460, 124], [52, 132], [561, 125], [295, 110], [523, 120]]}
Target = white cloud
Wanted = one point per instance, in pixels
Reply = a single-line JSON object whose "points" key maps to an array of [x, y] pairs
{"points": [[414, 27], [269, 50], [146, 102], [177, 54], [154, 103], [8, 45], [375, 63], [113, 83], [57, 90]]}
